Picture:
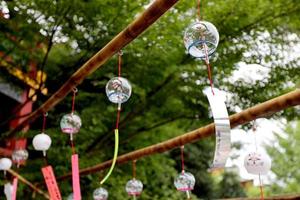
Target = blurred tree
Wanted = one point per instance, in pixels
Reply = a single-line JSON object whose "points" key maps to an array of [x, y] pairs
{"points": [[285, 155]]}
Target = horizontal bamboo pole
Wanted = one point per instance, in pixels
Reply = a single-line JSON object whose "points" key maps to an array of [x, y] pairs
{"points": [[277, 197], [261, 110], [25, 181], [133, 30]]}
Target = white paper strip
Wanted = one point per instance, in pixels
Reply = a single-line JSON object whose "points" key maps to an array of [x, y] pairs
{"points": [[222, 127]]}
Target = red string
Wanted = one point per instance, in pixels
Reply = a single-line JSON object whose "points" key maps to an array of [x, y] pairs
{"points": [[210, 78], [261, 188], [72, 147], [182, 158], [198, 10], [44, 122], [120, 63], [208, 69], [134, 168], [73, 100]]}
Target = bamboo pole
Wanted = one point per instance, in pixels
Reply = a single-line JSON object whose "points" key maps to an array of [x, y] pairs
{"points": [[133, 30], [277, 197], [25, 181], [261, 110]]}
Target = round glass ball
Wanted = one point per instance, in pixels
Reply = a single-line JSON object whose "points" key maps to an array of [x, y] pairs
{"points": [[100, 194], [201, 38], [70, 123], [257, 163], [118, 90], [185, 181], [134, 187], [19, 155], [41, 142]]}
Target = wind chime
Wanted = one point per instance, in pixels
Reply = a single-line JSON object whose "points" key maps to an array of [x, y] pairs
{"points": [[257, 162], [185, 181], [20, 154], [118, 91], [42, 142], [201, 39], [5, 164], [134, 187], [70, 124]]}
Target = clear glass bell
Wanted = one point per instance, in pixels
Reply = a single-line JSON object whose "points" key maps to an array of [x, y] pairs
{"points": [[185, 182], [100, 194], [19, 155], [201, 38], [134, 187], [118, 90], [70, 123]]}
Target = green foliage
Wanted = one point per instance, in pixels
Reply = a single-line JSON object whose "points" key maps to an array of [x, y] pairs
{"points": [[285, 156], [167, 97]]}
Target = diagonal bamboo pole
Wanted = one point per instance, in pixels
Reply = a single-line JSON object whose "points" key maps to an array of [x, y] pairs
{"points": [[133, 30], [261, 110], [33, 187]]}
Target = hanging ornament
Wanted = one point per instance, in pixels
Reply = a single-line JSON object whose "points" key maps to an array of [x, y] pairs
{"points": [[19, 156], [100, 194], [42, 141], [257, 163], [71, 123], [201, 37], [118, 90], [185, 181], [134, 187], [5, 164]]}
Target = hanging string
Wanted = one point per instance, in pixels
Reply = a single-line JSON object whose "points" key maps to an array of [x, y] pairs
{"points": [[198, 10], [261, 187], [72, 147], [208, 68], [134, 169], [182, 159], [120, 53], [44, 121], [75, 90]]}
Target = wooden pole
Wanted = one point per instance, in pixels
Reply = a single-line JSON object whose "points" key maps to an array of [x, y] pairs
{"points": [[33, 187], [261, 110], [133, 30], [277, 197]]}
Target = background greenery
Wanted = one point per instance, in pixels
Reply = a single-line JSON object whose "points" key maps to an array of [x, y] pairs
{"points": [[167, 97]]}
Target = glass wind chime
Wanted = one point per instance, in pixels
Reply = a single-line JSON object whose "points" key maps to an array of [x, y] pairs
{"points": [[70, 124], [201, 39], [134, 187], [20, 154], [257, 163], [42, 141], [118, 91], [185, 181]]}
